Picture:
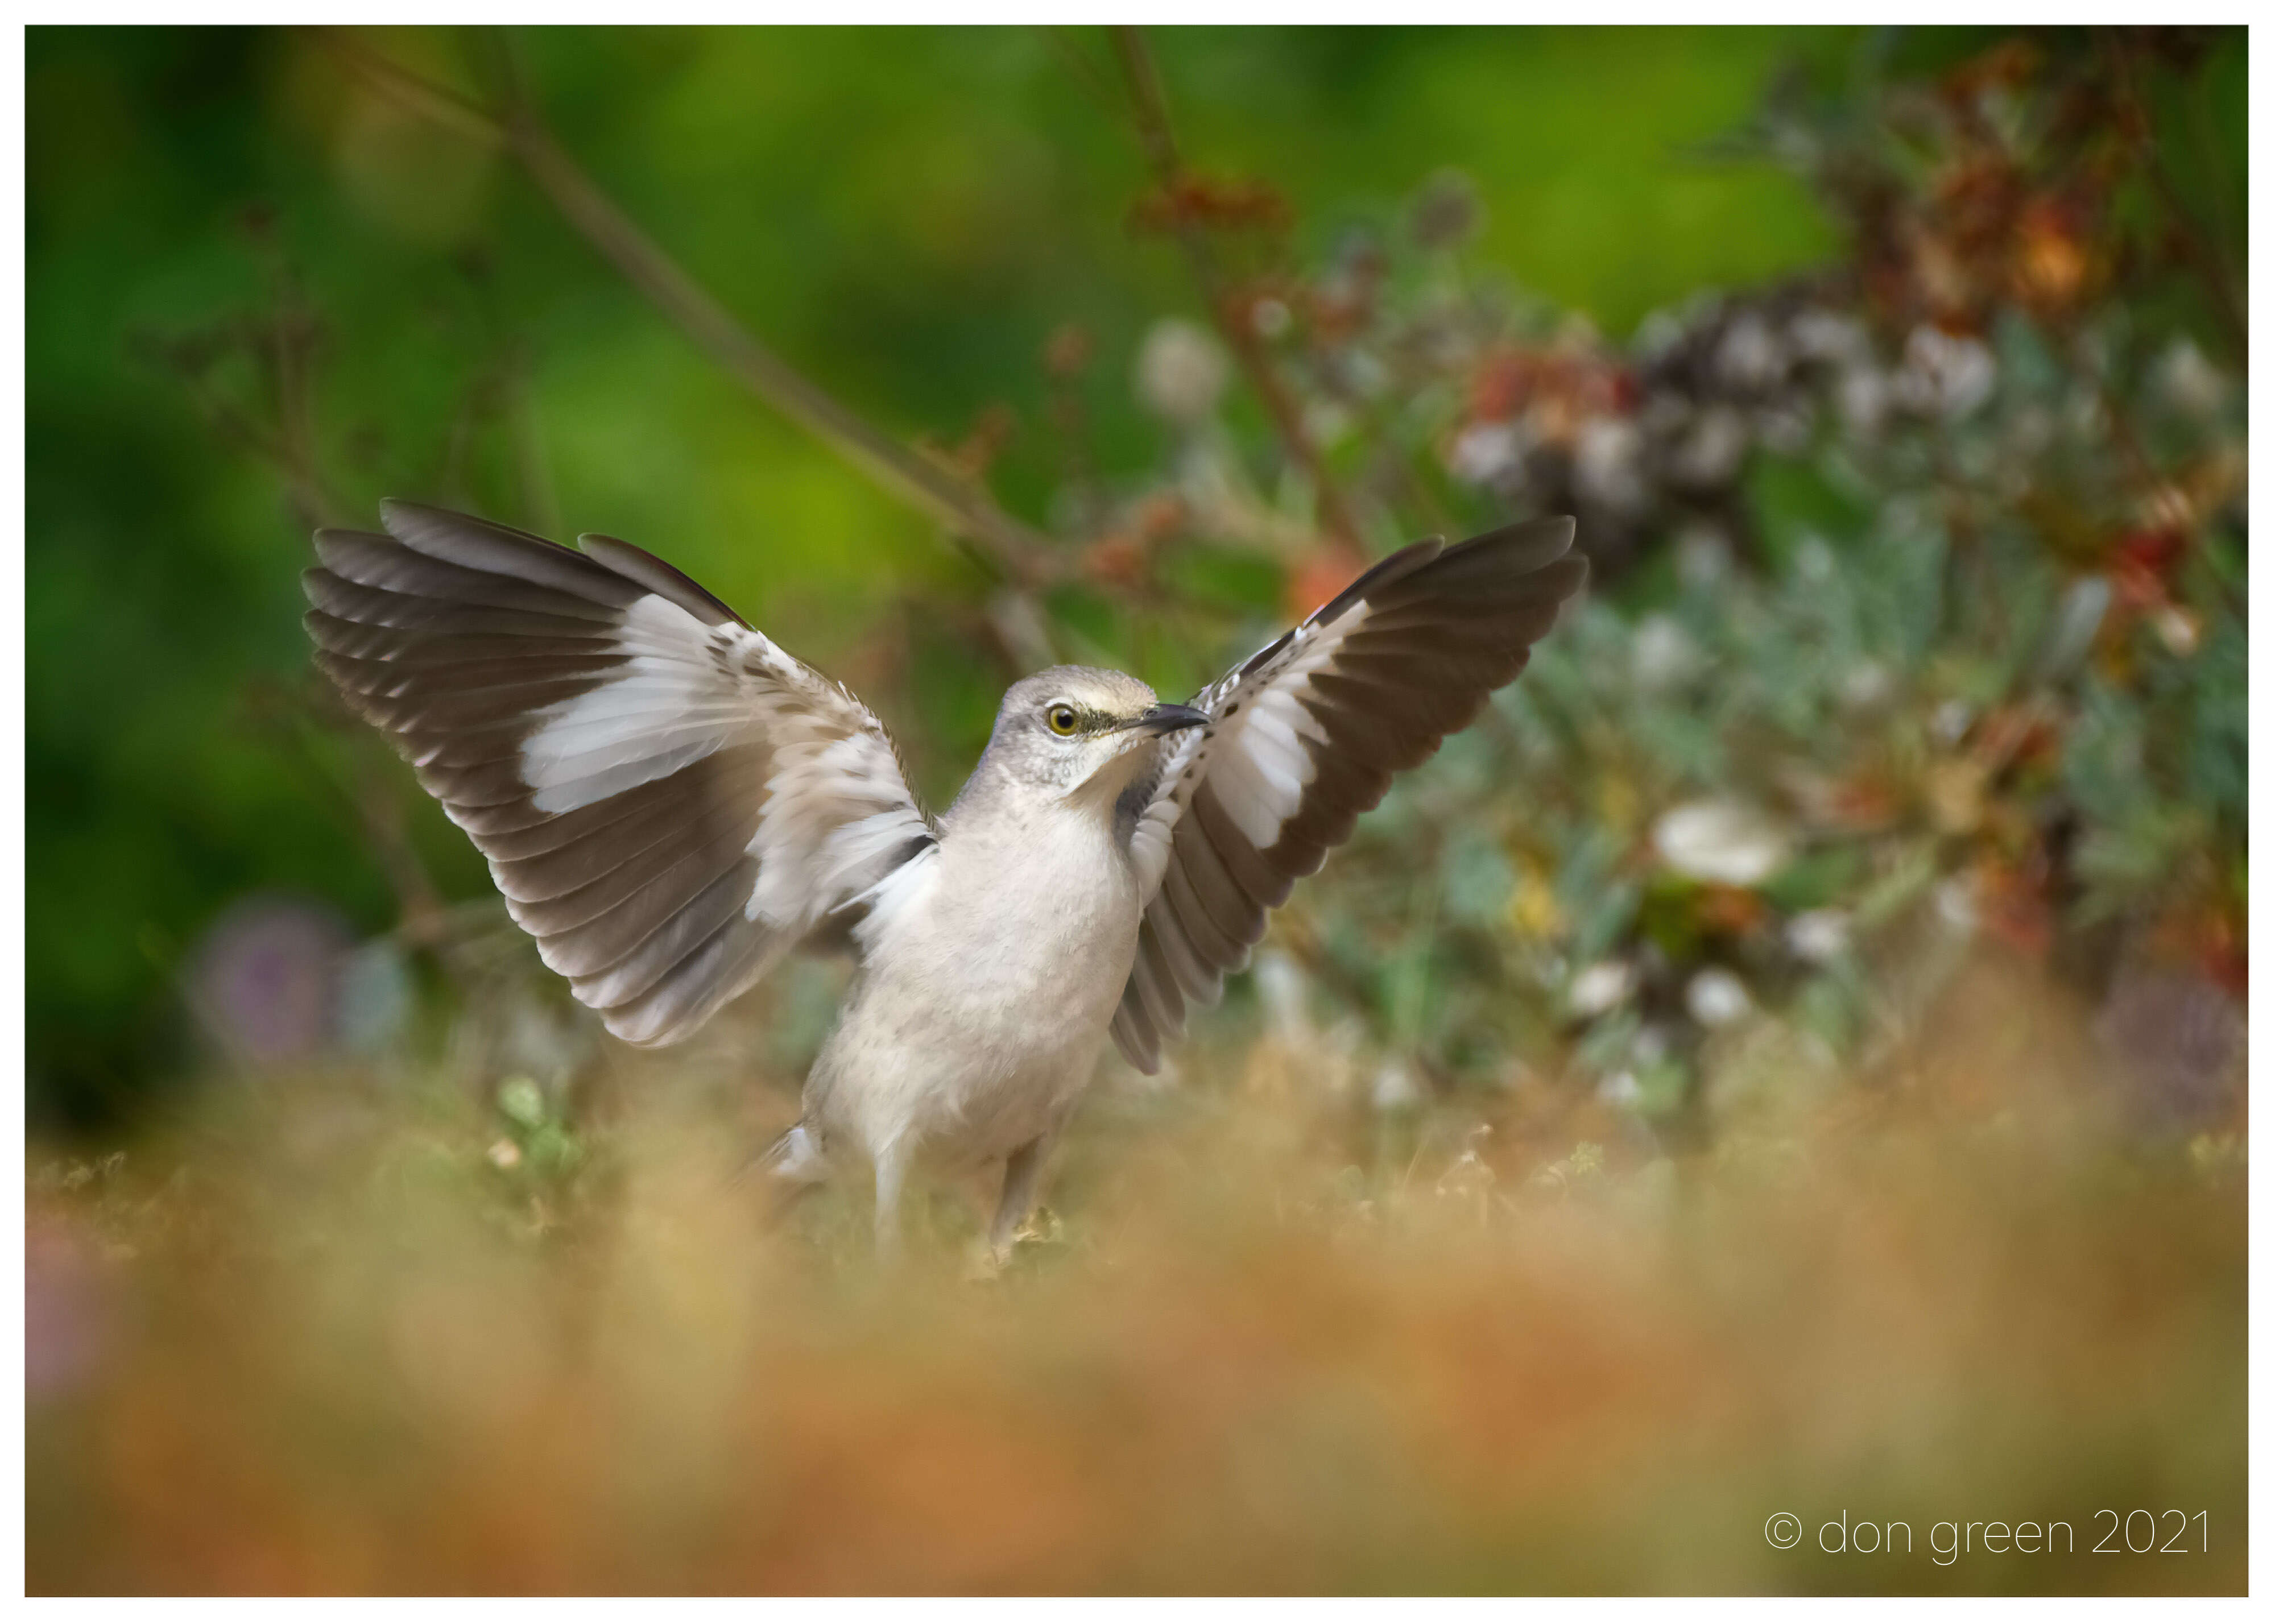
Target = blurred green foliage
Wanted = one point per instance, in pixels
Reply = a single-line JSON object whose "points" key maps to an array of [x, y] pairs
{"points": [[908, 214], [262, 295]]}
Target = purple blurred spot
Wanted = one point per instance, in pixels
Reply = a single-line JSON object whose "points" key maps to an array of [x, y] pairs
{"points": [[64, 1316], [2180, 1039], [265, 978]]}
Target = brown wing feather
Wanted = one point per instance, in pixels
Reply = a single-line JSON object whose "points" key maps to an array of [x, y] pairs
{"points": [[667, 801], [1309, 733]]}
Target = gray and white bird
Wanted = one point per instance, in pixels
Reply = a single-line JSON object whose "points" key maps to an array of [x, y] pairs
{"points": [[670, 804]]}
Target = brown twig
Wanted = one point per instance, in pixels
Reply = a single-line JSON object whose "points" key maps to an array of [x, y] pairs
{"points": [[1096, 82], [1010, 550], [1226, 310], [1065, 359], [276, 348]]}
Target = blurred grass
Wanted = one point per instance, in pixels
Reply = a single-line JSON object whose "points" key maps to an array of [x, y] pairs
{"points": [[318, 1341]]}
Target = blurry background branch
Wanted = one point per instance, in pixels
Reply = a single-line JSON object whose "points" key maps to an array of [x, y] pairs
{"points": [[1007, 547], [1183, 203], [362, 788], [281, 344]]}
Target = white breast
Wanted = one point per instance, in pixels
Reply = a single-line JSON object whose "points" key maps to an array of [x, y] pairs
{"points": [[982, 1009]]}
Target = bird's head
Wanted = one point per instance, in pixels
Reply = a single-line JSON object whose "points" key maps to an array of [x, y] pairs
{"points": [[1082, 732]]}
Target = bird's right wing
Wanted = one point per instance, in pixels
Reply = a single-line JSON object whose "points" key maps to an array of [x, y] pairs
{"points": [[668, 802], [1306, 735]]}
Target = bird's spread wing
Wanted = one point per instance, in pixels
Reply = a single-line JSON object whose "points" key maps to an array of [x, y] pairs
{"points": [[1306, 735], [668, 802]]}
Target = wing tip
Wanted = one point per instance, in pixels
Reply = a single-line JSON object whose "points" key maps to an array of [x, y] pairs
{"points": [[1553, 534], [1396, 567], [412, 521], [396, 512], [1139, 1045], [624, 1032], [1580, 570], [645, 569]]}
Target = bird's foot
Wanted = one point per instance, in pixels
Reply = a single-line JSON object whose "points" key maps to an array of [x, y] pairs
{"points": [[988, 1256]]}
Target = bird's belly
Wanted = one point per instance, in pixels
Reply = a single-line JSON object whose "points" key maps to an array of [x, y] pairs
{"points": [[982, 1019]]}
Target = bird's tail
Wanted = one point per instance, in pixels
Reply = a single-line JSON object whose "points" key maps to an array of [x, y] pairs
{"points": [[794, 1159], [778, 1176], [788, 1167]]}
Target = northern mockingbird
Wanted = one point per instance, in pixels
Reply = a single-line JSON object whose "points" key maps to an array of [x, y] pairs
{"points": [[670, 803]]}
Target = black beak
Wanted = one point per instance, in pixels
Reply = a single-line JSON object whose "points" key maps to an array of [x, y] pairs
{"points": [[1170, 718]]}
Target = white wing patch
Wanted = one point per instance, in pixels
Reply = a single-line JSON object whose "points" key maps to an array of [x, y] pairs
{"points": [[811, 854], [836, 805], [665, 711], [1257, 759], [890, 899]]}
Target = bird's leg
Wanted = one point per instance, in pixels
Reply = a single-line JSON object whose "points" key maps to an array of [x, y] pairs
{"points": [[891, 1163], [1020, 1172]]}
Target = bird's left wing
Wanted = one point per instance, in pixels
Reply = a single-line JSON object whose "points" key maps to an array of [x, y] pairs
{"points": [[668, 802], [1306, 735]]}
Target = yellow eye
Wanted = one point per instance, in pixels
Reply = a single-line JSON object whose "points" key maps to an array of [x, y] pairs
{"points": [[1062, 719]]}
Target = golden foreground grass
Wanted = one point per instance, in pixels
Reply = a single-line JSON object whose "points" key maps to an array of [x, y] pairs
{"points": [[1272, 1342]]}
